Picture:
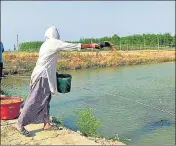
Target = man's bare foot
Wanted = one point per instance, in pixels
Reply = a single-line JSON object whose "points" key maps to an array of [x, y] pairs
{"points": [[48, 126]]}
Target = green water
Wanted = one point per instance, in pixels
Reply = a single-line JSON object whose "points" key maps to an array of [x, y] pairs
{"points": [[152, 84]]}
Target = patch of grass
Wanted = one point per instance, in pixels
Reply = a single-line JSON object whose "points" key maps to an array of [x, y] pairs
{"points": [[58, 121], [127, 140], [114, 138], [87, 122], [117, 138]]}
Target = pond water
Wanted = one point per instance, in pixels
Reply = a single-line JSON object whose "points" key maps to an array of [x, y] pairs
{"points": [[135, 102]]}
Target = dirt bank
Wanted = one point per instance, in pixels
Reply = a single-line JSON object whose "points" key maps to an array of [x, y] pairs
{"points": [[10, 136], [24, 62]]}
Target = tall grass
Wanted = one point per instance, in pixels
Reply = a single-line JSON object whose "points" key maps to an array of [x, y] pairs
{"points": [[87, 122], [24, 62]]}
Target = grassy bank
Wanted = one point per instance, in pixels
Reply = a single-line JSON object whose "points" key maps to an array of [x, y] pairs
{"points": [[86, 136], [24, 62], [10, 136]]}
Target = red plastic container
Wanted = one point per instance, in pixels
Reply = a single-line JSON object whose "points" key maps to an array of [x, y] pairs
{"points": [[10, 110]]}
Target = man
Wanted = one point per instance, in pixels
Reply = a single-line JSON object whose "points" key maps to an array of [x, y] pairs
{"points": [[43, 81], [1, 62]]}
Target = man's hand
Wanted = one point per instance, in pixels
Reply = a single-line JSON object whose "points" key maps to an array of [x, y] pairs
{"points": [[92, 45], [95, 45]]}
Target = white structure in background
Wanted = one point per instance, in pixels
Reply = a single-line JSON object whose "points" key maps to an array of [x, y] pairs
{"points": [[17, 45]]}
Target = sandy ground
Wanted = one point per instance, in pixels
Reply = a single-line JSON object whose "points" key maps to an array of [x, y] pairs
{"points": [[10, 136]]}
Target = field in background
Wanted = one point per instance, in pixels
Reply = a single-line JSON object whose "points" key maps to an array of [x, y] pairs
{"points": [[24, 62]]}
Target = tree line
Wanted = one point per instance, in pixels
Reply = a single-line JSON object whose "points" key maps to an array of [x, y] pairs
{"points": [[133, 42]]}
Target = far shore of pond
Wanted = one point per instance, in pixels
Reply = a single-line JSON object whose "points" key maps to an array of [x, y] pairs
{"points": [[23, 62]]}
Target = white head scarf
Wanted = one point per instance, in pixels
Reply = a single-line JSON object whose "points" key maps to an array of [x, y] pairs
{"points": [[52, 33]]}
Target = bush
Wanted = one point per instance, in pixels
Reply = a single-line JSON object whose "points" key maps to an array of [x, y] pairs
{"points": [[87, 122]]}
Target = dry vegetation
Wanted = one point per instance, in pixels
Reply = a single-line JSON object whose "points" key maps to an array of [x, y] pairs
{"points": [[24, 62]]}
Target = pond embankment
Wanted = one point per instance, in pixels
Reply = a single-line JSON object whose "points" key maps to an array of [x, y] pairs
{"points": [[24, 62], [10, 136]]}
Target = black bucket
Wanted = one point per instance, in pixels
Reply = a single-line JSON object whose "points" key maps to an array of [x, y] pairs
{"points": [[63, 83]]}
